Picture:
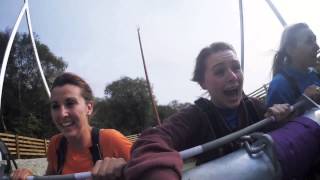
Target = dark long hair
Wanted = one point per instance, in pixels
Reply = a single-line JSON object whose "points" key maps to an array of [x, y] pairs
{"points": [[288, 39]]}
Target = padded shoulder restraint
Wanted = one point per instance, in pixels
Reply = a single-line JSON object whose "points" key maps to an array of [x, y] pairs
{"points": [[94, 150]]}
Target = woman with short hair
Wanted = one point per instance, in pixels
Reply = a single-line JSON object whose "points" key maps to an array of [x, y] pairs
{"points": [[80, 147]]}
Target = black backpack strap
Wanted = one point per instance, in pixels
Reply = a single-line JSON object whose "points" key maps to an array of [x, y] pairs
{"points": [[216, 122], [61, 153], [252, 111], [218, 128], [293, 84], [95, 148]]}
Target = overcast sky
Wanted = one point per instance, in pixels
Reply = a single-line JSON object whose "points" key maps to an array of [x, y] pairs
{"points": [[98, 38]]}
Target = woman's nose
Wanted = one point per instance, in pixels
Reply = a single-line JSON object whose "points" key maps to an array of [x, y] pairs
{"points": [[232, 75], [63, 111]]}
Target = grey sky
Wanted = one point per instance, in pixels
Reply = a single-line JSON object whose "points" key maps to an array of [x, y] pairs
{"points": [[98, 38]]}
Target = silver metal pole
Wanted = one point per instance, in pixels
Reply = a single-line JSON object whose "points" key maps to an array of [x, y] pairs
{"points": [[241, 35], [188, 153], [277, 13], [75, 176], [35, 49], [8, 49], [25, 8]]}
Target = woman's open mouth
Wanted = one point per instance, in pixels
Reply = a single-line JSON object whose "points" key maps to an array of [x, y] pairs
{"points": [[233, 92]]}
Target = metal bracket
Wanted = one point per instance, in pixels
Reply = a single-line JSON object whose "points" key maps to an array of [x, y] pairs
{"points": [[257, 142]]}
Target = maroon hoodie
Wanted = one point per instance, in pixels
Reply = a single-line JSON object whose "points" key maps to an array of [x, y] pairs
{"points": [[155, 155]]}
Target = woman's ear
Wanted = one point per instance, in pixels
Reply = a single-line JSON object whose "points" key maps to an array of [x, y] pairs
{"points": [[203, 85], [90, 107]]}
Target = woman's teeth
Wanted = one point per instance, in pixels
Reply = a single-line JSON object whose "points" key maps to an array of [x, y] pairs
{"points": [[67, 123]]}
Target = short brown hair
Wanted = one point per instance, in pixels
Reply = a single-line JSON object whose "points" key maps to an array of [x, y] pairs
{"points": [[198, 74], [73, 79]]}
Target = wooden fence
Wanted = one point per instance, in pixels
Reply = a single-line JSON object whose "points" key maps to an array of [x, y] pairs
{"points": [[133, 137], [22, 146], [26, 147]]}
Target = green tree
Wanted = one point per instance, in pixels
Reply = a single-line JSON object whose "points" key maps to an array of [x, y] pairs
{"points": [[25, 104], [174, 106], [127, 106], [100, 114]]}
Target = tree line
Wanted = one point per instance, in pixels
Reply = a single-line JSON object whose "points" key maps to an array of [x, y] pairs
{"points": [[25, 107]]}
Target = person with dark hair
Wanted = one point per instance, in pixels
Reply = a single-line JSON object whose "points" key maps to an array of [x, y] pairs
{"points": [[291, 69], [155, 155], [80, 147]]}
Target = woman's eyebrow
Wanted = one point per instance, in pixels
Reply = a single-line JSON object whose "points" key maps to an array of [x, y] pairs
{"points": [[53, 103], [221, 64], [70, 99]]}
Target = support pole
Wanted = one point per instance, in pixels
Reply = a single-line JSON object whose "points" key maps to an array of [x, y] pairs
{"points": [[35, 50], [155, 111], [277, 13], [8, 49], [241, 35], [24, 9]]}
